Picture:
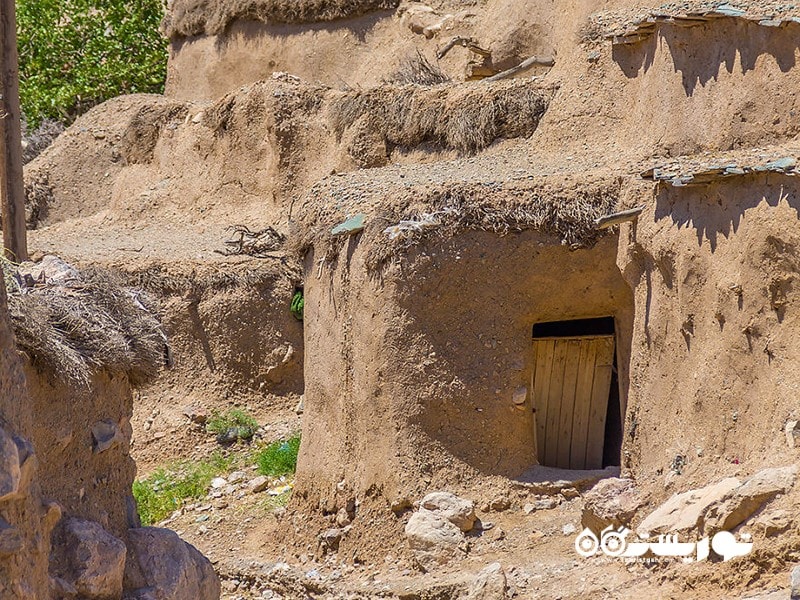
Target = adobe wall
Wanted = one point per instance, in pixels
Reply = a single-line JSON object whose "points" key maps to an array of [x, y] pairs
{"points": [[82, 436], [410, 373], [714, 361], [25, 519]]}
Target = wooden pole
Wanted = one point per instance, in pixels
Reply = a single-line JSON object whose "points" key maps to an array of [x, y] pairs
{"points": [[543, 61], [12, 188]]}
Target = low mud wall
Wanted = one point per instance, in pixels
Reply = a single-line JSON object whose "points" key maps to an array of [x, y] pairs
{"points": [[714, 360]]}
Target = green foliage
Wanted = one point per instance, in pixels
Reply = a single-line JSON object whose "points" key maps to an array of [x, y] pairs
{"points": [[163, 492], [234, 424], [74, 54], [279, 458], [298, 303]]}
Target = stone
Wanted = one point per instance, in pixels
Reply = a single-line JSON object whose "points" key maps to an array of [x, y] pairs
{"points": [[400, 504], [218, 482], [520, 396], [105, 435], [540, 504], [683, 512], [10, 540], [195, 414], [613, 501], [300, 405], [490, 584], [343, 517], [792, 431], [434, 540], [237, 477], [570, 493], [500, 504], [89, 559], [51, 269], [795, 583], [10, 473], [352, 225], [569, 529], [259, 484], [160, 560], [330, 538], [773, 522], [746, 499], [458, 511]]}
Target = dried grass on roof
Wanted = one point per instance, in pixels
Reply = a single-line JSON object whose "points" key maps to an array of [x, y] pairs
{"points": [[463, 117], [568, 216], [211, 17], [87, 325]]}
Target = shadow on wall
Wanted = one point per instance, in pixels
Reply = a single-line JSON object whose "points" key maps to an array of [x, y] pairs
{"points": [[718, 209], [700, 52]]}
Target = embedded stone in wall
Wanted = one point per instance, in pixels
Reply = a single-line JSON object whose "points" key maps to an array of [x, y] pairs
{"points": [[89, 560], [161, 566], [10, 539], [9, 466], [105, 435]]}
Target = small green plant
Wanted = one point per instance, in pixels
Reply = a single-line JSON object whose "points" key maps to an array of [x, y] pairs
{"points": [[165, 491], [298, 303], [279, 458], [232, 425]]}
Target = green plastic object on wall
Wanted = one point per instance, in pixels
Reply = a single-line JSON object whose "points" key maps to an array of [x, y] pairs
{"points": [[297, 305]]}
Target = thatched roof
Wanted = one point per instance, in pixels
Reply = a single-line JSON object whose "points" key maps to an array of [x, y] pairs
{"points": [[402, 206], [186, 18], [74, 323]]}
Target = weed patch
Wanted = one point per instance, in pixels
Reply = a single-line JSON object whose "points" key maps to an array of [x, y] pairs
{"points": [[231, 426], [165, 491], [279, 458]]}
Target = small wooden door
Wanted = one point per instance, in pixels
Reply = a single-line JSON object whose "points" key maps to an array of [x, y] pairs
{"points": [[571, 384]]}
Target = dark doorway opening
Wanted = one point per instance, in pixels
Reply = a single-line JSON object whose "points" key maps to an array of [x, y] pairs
{"points": [[575, 392]]}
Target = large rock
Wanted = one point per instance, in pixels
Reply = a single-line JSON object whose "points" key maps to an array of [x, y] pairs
{"points": [[746, 499], [459, 511], [89, 560], [490, 584], [613, 501], [161, 566], [686, 511], [433, 539], [9, 466]]}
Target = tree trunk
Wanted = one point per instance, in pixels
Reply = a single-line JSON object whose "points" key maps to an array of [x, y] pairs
{"points": [[12, 189]]}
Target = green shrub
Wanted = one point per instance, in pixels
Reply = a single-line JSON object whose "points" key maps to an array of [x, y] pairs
{"points": [[165, 491], [74, 54], [232, 425], [279, 458]]}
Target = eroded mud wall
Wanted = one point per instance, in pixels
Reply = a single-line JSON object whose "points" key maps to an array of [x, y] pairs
{"points": [[714, 367], [83, 435], [25, 522], [410, 375]]}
